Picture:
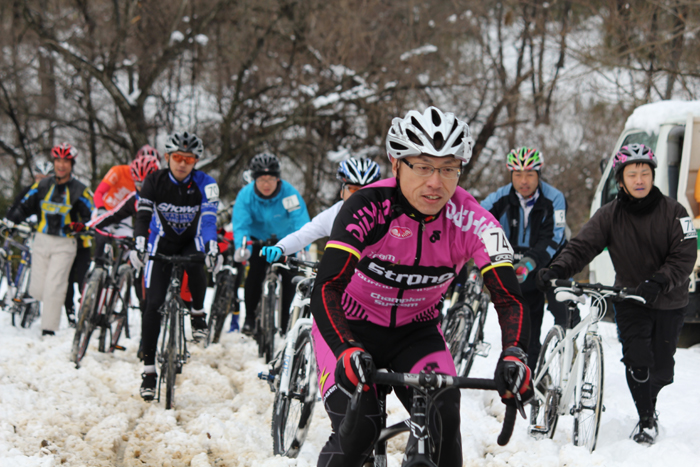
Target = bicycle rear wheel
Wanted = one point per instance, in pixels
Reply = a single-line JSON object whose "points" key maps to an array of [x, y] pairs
{"points": [[545, 408], [224, 296], [121, 305], [457, 328], [587, 414], [291, 414], [86, 315], [474, 338]]}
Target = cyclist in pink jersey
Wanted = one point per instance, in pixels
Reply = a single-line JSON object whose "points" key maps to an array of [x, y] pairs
{"points": [[394, 248]]}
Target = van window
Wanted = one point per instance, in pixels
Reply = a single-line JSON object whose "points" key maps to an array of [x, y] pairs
{"points": [[649, 140]]}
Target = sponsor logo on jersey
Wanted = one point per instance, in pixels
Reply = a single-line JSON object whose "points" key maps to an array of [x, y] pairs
{"points": [[407, 276], [179, 218], [367, 218], [400, 232], [468, 220]]}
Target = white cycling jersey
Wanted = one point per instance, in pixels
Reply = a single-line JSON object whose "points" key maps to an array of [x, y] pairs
{"points": [[319, 227]]}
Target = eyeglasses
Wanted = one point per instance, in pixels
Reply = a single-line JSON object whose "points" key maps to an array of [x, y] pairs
{"points": [[179, 158], [425, 170], [352, 188], [267, 179]]}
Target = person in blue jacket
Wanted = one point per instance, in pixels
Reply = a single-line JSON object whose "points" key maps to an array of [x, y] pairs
{"points": [[265, 207], [533, 216]]}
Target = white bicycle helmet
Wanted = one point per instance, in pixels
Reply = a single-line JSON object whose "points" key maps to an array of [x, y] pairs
{"points": [[44, 168], [358, 171], [432, 133], [184, 142]]}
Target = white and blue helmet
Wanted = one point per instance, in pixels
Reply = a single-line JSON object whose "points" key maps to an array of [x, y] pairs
{"points": [[358, 171]]}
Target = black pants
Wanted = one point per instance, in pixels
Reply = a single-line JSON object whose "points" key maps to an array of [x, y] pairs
{"points": [[81, 264], [649, 338], [253, 288], [400, 351], [157, 282]]}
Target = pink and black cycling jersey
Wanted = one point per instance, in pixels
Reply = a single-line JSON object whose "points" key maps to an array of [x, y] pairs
{"points": [[402, 262]]}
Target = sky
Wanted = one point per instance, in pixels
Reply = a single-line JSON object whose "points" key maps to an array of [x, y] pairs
{"points": [[53, 414]]}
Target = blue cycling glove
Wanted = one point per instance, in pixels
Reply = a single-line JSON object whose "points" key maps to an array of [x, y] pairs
{"points": [[271, 253]]}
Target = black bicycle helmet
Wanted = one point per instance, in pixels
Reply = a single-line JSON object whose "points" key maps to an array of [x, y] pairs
{"points": [[265, 164], [184, 142]]}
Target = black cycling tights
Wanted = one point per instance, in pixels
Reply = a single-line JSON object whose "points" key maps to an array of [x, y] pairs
{"points": [[159, 280]]}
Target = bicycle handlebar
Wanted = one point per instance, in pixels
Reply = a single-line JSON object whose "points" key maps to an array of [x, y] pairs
{"points": [[292, 261], [197, 258], [616, 293], [428, 381]]}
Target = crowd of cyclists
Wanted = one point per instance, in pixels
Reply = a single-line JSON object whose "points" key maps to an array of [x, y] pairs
{"points": [[394, 247]]}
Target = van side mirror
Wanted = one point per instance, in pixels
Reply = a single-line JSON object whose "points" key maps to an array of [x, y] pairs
{"points": [[603, 164]]}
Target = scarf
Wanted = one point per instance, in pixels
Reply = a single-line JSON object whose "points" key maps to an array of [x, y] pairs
{"points": [[640, 206]]}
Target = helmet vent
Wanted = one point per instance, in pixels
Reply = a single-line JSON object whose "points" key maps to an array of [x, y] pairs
{"points": [[397, 146], [437, 121], [438, 141], [412, 136]]}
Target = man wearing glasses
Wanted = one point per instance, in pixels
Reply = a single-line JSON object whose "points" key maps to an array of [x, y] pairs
{"points": [[178, 204], [533, 215], [267, 206], [393, 251]]}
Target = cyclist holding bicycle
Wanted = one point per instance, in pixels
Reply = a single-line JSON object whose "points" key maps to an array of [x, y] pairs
{"points": [[394, 248], [63, 204], [354, 174], [179, 206], [533, 215], [653, 247], [265, 207]]}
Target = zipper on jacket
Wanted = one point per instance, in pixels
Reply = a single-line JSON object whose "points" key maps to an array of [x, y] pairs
{"points": [[419, 250]]}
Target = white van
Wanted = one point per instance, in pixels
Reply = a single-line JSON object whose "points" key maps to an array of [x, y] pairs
{"points": [[672, 130]]}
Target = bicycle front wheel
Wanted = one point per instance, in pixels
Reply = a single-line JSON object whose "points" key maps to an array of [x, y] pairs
{"points": [[171, 358], [587, 414], [86, 315], [121, 305], [291, 414], [474, 338], [266, 346], [545, 407], [223, 298], [31, 313], [457, 328]]}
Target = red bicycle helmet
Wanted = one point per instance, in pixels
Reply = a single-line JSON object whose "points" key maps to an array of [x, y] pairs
{"points": [[142, 166], [64, 151], [148, 150]]}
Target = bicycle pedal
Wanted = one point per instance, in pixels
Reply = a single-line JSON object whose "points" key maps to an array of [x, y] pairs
{"points": [[483, 349], [538, 429], [119, 347]]}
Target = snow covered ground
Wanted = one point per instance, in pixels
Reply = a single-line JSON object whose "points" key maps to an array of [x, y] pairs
{"points": [[52, 414]]}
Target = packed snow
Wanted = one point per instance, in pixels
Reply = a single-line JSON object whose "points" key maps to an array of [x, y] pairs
{"points": [[54, 414]]}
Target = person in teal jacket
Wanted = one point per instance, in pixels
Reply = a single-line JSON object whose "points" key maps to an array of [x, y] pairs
{"points": [[268, 206]]}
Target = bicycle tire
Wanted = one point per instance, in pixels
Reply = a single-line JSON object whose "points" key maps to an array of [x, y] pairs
{"points": [[545, 413], [121, 305], [31, 313], [291, 414], [587, 415], [457, 326], [85, 324], [474, 338], [104, 338], [266, 343], [171, 359], [223, 298]]}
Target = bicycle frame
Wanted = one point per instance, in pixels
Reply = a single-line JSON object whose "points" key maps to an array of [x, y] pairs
{"points": [[571, 386], [18, 286]]}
